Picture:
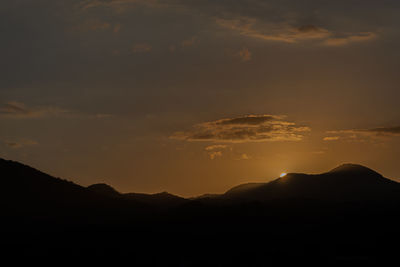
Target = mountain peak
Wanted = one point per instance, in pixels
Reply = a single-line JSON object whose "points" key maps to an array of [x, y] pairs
{"points": [[351, 168], [104, 189]]}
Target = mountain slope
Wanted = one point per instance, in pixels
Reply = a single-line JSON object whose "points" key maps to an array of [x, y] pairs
{"points": [[104, 189], [163, 199], [26, 191], [160, 199], [348, 182]]}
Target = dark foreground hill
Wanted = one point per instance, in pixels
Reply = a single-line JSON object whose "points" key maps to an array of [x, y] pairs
{"points": [[348, 215]]}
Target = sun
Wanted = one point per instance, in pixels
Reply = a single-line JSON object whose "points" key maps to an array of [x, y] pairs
{"points": [[283, 174]]}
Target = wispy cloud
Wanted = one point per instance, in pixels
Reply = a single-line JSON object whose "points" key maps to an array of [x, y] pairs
{"points": [[278, 32], [248, 128], [215, 147], [244, 156], [331, 138], [215, 151], [19, 110], [20, 143], [215, 154], [350, 38], [282, 32], [274, 26], [357, 135]]}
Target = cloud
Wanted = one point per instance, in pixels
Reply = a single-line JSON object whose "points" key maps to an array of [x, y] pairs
{"points": [[141, 48], [19, 110], [387, 131], [215, 147], [358, 135], [318, 152], [278, 32], [351, 38], [272, 21], [282, 32], [215, 151], [264, 20], [215, 154], [244, 156], [248, 128], [20, 143], [331, 138], [245, 54]]}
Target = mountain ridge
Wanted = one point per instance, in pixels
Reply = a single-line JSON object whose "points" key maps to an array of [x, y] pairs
{"points": [[299, 212], [347, 182]]}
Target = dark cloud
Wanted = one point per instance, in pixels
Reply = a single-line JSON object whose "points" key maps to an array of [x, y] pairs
{"points": [[249, 120], [385, 131], [250, 128], [271, 20]]}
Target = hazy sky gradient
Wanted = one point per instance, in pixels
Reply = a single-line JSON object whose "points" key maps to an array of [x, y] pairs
{"points": [[193, 97]]}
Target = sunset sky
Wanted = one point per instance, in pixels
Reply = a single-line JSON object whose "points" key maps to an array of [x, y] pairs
{"points": [[196, 96]]}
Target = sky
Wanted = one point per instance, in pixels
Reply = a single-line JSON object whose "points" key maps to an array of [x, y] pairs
{"points": [[197, 96]]}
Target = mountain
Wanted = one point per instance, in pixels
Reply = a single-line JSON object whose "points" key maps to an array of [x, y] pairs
{"points": [[163, 199], [29, 189], [160, 199], [104, 189], [21, 183], [348, 182], [298, 218], [33, 195]]}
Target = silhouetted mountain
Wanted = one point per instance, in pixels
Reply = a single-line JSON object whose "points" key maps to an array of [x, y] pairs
{"points": [[104, 189], [356, 169], [243, 188], [161, 200], [349, 214], [205, 196], [29, 193], [348, 182], [23, 183]]}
